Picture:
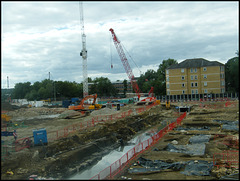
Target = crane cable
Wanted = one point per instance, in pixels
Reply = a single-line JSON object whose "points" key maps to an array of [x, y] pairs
{"points": [[132, 59], [111, 49]]}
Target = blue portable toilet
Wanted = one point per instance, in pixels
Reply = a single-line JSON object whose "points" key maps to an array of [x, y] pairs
{"points": [[40, 136], [66, 103]]}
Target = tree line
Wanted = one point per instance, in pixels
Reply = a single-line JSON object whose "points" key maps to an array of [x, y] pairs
{"points": [[104, 88]]}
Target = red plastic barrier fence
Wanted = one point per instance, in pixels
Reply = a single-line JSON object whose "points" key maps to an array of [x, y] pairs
{"points": [[53, 135], [228, 159], [22, 143], [114, 169]]}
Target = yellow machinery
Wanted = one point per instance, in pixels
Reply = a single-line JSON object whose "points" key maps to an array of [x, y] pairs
{"points": [[5, 117], [167, 104]]}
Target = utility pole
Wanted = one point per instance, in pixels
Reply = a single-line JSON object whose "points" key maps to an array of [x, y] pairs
{"points": [[7, 83]]}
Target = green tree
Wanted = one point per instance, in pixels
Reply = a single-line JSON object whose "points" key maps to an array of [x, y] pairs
{"points": [[160, 85], [21, 90], [103, 87], [232, 74]]}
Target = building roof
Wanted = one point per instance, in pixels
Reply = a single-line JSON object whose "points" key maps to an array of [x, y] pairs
{"points": [[194, 63]]}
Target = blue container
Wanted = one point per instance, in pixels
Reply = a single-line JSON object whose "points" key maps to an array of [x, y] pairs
{"points": [[74, 100], [40, 136], [66, 103]]}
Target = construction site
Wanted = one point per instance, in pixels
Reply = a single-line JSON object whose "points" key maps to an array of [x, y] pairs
{"points": [[140, 138], [154, 141]]}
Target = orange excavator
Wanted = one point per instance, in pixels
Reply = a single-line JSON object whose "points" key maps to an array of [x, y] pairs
{"points": [[82, 107]]}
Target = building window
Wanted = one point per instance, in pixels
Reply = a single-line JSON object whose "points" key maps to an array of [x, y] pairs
{"points": [[205, 90], [168, 86], [222, 83], [222, 90], [192, 91], [205, 83], [168, 92], [222, 68], [167, 72], [196, 91], [195, 70], [182, 70], [204, 69], [204, 76], [182, 77], [191, 77], [196, 84], [183, 85], [183, 91], [222, 76], [192, 84], [167, 78], [191, 70], [195, 77]]}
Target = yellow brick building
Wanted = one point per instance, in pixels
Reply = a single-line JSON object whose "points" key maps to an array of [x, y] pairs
{"points": [[195, 76]]}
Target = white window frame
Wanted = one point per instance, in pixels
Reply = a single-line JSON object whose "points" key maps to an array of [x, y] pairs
{"points": [[222, 90], [195, 77], [205, 90], [191, 77], [204, 69], [196, 84], [222, 68], [222, 83], [167, 72], [183, 77], [222, 75], [192, 91], [167, 86], [183, 85], [196, 91], [182, 70], [192, 84], [167, 78], [205, 83], [195, 70], [191, 70], [183, 92], [205, 76]]}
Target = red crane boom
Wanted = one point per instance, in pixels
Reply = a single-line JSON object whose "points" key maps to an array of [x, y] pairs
{"points": [[125, 63]]}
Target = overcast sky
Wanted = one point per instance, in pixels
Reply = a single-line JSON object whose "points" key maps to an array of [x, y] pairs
{"points": [[43, 36]]}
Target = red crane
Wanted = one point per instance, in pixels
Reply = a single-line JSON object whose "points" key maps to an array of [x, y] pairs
{"points": [[125, 63]]}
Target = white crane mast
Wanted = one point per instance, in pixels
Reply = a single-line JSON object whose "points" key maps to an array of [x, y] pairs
{"points": [[83, 53]]}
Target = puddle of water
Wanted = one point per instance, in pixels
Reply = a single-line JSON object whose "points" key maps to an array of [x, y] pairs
{"points": [[110, 158]]}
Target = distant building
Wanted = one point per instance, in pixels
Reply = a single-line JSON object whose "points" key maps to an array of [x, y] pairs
{"points": [[119, 85], [195, 76]]}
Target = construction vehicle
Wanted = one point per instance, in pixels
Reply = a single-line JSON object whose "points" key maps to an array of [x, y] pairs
{"points": [[129, 70], [82, 107], [5, 120]]}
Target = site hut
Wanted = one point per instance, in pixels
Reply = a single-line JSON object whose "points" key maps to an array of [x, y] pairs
{"points": [[193, 77]]}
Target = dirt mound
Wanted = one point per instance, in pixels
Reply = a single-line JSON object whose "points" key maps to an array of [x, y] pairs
{"points": [[103, 111], [68, 113]]}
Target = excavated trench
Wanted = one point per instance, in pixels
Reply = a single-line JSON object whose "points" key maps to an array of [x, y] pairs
{"points": [[83, 150]]}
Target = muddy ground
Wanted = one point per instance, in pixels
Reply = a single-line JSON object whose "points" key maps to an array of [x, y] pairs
{"points": [[196, 118], [60, 158]]}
